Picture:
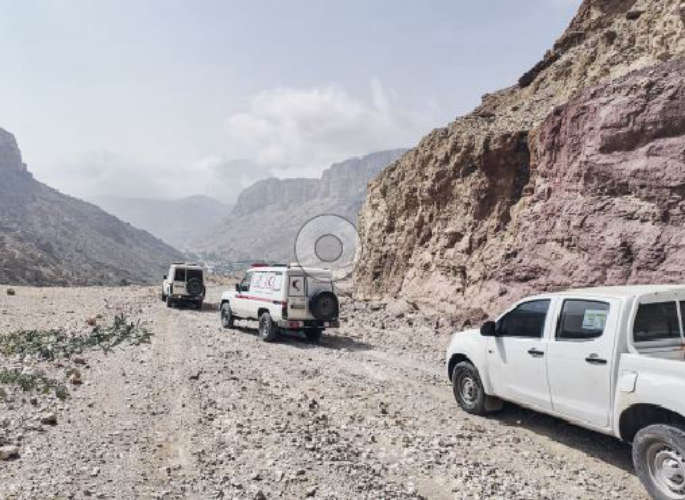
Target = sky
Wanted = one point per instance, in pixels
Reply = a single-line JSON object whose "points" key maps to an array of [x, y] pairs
{"points": [[166, 99]]}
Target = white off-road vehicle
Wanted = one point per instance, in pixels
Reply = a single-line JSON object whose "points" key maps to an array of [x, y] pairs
{"points": [[283, 298], [610, 359], [184, 284]]}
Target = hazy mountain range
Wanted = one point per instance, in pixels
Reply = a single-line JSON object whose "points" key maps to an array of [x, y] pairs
{"points": [[48, 238], [178, 222], [267, 215]]}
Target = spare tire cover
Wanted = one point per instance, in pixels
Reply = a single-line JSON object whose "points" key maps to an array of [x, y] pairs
{"points": [[324, 306], [194, 286]]}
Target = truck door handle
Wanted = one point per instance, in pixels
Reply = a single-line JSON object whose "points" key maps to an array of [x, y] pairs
{"points": [[595, 360], [535, 353]]}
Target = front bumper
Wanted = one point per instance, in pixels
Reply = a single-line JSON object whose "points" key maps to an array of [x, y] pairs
{"points": [[299, 324]]}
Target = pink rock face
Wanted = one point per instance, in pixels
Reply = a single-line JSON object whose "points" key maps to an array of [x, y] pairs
{"points": [[606, 202], [573, 177], [593, 196]]}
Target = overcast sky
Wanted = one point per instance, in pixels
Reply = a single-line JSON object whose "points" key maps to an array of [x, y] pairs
{"points": [[172, 98]]}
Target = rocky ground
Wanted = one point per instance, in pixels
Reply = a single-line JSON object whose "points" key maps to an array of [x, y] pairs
{"points": [[203, 412]]}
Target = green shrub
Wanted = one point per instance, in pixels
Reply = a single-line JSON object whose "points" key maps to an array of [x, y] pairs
{"points": [[52, 344], [31, 382]]}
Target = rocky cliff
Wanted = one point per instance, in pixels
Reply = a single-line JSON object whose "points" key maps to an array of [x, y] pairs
{"points": [[47, 238], [572, 177], [267, 215]]}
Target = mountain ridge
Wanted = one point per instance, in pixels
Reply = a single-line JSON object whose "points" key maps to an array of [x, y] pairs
{"points": [[267, 215], [177, 222], [49, 238]]}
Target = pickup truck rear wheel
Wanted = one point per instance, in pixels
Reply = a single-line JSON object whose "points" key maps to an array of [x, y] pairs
{"points": [[268, 331], [659, 460], [468, 389]]}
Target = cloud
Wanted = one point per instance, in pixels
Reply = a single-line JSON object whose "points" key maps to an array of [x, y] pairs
{"points": [[104, 173], [283, 132], [305, 130], [224, 179]]}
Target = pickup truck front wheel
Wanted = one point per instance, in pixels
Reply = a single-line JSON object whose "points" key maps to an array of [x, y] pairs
{"points": [[468, 390], [659, 460]]}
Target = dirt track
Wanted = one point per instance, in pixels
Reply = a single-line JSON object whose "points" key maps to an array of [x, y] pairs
{"points": [[203, 412]]}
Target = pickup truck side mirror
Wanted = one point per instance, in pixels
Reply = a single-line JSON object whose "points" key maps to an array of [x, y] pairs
{"points": [[488, 329]]}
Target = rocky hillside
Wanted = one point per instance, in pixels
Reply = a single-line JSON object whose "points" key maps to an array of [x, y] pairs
{"points": [[177, 222], [48, 238], [267, 215], [574, 176]]}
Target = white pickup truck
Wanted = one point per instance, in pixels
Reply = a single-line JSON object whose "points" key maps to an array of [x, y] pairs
{"points": [[610, 359]]}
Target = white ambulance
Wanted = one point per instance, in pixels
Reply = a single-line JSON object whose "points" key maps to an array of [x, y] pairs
{"points": [[283, 298]]}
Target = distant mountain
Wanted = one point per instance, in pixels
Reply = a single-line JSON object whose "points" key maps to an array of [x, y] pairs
{"points": [[48, 238], [267, 215], [178, 222]]}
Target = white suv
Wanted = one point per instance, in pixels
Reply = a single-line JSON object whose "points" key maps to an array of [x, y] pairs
{"points": [[184, 284], [283, 298]]}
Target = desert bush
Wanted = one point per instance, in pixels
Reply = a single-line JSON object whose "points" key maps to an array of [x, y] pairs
{"points": [[11, 291], [52, 344], [32, 382]]}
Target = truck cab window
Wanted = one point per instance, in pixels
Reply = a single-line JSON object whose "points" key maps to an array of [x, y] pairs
{"points": [[180, 274], [527, 320], [657, 321], [245, 284], [582, 320]]}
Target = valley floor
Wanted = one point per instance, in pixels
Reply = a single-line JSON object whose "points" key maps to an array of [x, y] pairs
{"points": [[203, 412]]}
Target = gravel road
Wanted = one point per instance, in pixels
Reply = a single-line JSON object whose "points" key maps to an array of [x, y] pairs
{"points": [[203, 412]]}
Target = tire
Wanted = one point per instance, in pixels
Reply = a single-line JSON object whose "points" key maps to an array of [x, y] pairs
{"points": [[169, 302], [659, 460], [324, 306], [267, 329], [313, 335], [227, 318], [468, 389], [194, 286]]}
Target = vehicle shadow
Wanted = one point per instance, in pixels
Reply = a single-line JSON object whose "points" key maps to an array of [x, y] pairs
{"points": [[299, 341], [332, 341], [602, 447], [210, 307]]}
